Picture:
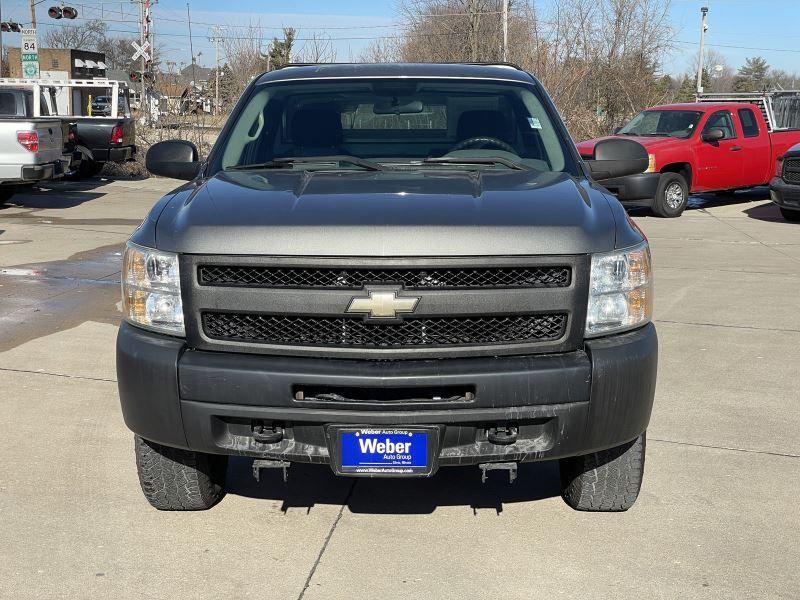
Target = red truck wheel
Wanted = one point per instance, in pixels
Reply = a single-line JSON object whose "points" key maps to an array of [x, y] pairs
{"points": [[672, 195]]}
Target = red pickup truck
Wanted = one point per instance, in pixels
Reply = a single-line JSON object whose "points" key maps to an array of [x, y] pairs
{"points": [[697, 147]]}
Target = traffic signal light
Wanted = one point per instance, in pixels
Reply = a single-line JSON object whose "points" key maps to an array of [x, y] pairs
{"points": [[63, 12], [135, 76], [11, 26]]}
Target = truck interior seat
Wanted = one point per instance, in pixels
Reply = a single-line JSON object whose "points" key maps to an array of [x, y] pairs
{"points": [[479, 123], [317, 131]]}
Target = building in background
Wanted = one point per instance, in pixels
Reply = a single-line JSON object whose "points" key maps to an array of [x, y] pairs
{"points": [[66, 63]]}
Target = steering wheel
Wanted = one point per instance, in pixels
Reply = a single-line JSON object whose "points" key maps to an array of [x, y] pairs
{"points": [[483, 141]]}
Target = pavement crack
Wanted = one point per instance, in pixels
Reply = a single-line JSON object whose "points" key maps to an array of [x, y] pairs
{"points": [[327, 540], [51, 374], [730, 448], [727, 326]]}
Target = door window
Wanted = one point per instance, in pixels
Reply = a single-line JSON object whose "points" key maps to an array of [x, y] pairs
{"points": [[721, 120], [749, 123]]}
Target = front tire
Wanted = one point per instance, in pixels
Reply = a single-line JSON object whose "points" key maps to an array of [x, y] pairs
{"points": [[176, 479], [672, 195], [605, 481], [791, 215]]}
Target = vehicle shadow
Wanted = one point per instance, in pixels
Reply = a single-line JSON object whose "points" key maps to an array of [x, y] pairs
{"points": [[765, 212], [309, 485], [49, 198]]}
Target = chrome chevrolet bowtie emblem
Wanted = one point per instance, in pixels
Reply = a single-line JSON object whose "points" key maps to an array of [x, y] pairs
{"points": [[382, 305]]}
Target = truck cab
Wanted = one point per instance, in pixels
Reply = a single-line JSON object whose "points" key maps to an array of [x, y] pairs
{"points": [[695, 148]]}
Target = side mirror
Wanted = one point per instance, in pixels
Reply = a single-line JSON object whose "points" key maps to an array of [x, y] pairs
{"points": [[714, 134], [177, 159], [616, 130], [617, 157]]}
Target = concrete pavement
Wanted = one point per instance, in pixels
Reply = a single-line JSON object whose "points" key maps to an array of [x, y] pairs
{"points": [[717, 516]]}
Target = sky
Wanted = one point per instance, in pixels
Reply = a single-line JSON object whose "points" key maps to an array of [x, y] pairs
{"points": [[737, 28]]}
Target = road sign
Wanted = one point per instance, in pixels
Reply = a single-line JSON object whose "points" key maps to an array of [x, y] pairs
{"points": [[30, 54], [141, 51]]}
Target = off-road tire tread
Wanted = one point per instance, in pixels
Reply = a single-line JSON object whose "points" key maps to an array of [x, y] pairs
{"points": [[791, 215], [177, 479], [605, 481]]}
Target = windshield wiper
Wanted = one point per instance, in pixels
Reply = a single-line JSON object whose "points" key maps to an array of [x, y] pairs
{"points": [[476, 160], [289, 161]]}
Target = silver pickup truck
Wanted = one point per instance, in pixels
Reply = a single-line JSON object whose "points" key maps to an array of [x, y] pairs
{"points": [[31, 148]]}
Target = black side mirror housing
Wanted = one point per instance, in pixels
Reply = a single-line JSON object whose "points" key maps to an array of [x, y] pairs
{"points": [[714, 134], [616, 130], [617, 157], [177, 159]]}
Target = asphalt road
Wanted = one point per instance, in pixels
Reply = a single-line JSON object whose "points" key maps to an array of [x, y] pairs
{"points": [[717, 516]]}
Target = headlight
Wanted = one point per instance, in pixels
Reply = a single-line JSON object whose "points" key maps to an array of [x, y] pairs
{"points": [[620, 291], [651, 163], [151, 290]]}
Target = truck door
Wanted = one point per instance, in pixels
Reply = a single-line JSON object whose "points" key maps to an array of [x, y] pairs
{"points": [[756, 151], [719, 163]]}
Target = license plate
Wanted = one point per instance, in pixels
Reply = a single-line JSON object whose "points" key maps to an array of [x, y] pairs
{"points": [[380, 451]]}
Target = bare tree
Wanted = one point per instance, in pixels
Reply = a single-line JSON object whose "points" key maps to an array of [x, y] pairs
{"points": [[318, 48], [86, 36], [600, 59]]}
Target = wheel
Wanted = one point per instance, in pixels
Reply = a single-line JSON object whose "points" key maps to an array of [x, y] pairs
{"points": [[89, 168], [672, 195], [605, 481], [791, 215], [176, 479], [6, 192]]}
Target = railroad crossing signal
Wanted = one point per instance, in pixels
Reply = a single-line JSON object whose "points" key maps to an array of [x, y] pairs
{"points": [[141, 51], [12, 26]]}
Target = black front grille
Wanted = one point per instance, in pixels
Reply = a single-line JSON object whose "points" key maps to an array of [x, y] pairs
{"points": [[411, 278], [791, 170], [355, 332]]}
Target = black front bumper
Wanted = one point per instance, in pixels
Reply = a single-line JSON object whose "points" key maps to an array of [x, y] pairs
{"points": [[784, 194], [563, 404], [637, 190]]}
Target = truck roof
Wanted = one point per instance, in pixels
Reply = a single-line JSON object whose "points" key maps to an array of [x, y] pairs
{"points": [[703, 106], [503, 71]]}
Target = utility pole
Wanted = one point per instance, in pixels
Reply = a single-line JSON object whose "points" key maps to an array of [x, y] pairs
{"points": [[216, 38], [33, 14], [505, 30], [1, 41], [703, 28], [191, 47]]}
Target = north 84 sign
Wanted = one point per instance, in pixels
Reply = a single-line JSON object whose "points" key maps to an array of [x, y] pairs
{"points": [[29, 54]]}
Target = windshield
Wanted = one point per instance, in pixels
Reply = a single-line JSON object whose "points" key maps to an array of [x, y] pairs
{"points": [[395, 124], [666, 123]]}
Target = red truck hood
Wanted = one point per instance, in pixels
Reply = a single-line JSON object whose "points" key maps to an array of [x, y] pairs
{"points": [[650, 143]]}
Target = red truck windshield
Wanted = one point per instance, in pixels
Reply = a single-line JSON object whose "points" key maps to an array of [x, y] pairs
{"points": [[666, 123]]}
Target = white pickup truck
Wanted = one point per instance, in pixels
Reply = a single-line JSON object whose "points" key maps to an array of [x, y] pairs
{"points": [[31, 148]]}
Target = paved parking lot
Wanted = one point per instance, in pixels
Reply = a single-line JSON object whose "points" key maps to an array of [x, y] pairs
{"points": [[717, 516]]}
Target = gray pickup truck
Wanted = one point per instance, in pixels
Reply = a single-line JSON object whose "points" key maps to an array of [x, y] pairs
{"points": [[389, 269]]}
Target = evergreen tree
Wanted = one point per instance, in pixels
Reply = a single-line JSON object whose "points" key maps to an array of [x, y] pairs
{"points": [[280, 51], [752, 76]]}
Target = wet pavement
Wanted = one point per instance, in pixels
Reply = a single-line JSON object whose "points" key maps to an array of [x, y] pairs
{"points": [[717, 516]]}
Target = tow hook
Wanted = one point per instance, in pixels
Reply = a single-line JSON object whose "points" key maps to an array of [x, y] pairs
{"points": [[503, 436], [511, 467], [259, 464], [267, 434]]}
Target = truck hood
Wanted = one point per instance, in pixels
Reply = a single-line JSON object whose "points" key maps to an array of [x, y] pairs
{"points": [[651, 144], [388, 213]]}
